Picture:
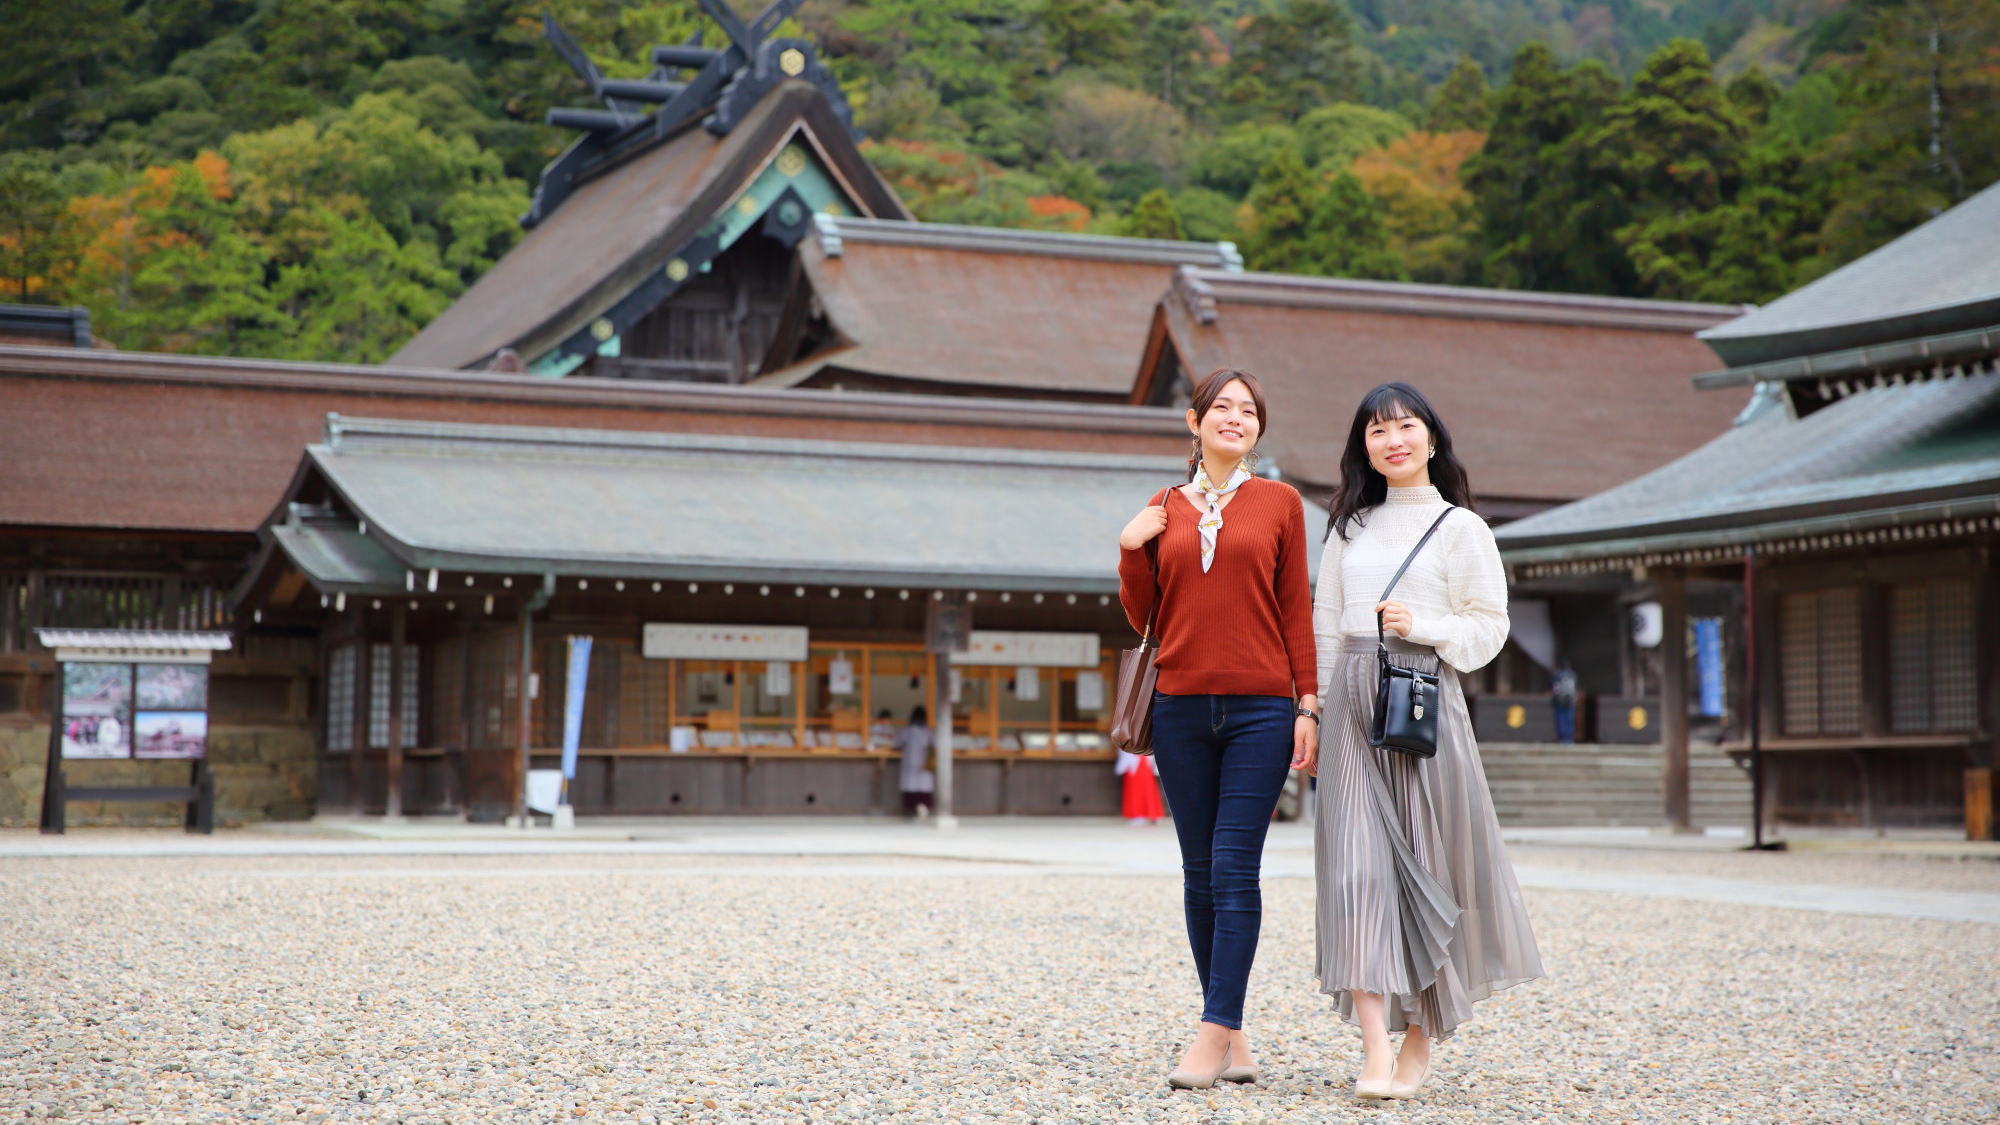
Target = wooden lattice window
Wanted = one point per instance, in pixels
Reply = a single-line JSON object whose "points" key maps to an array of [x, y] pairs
{"points": [[1931, 657], [378, 697], [340, 698], [1819, 661]]}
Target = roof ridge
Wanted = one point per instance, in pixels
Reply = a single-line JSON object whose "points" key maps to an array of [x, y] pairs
{"points": [[39, 361], [1309, 291], [834, 232], [342, 429]]}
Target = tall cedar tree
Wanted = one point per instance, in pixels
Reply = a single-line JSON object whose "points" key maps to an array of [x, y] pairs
{"points": [[1281, 205], [1153, 216], [1346, 237], [1545, 220], [1460, 103], [1924, 130], [1671, 147], [1294, 58]]}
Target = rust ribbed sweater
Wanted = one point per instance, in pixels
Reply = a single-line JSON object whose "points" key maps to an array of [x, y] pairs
{"points": [[1245, 627]]}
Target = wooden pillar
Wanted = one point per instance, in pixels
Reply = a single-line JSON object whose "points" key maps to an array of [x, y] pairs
{"points": [[363, 677], [398, 625], [526, 672], [941, 720], [1982, 779], [1674, 701]]}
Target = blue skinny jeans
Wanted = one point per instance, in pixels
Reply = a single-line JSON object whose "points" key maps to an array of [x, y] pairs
{"points": [[1222, 761]]}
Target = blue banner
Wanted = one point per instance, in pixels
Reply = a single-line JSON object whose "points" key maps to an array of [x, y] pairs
{"points": [[579, 675], [1708, 664]]}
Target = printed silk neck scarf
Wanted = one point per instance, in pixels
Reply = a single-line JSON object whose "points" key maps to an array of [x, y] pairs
{"points": [[1211, 521]]}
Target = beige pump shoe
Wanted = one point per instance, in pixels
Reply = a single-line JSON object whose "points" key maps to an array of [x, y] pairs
{"points": [[1400, 1090], [1198, 1079], [1243, 1075], [1375, 1089]]}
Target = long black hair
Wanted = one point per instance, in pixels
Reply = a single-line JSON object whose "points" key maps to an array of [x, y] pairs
{"points": [[1361, 486]]}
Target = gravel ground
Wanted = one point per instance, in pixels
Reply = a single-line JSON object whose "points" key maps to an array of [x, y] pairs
{"points": [[605, 988], [1902, 872]]}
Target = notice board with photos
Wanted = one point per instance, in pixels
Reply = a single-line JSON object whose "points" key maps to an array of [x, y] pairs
{"points": [[129, 695]]}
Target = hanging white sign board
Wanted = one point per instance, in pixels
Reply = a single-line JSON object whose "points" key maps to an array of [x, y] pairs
{"points": [[723, 642], [1040, 650]]}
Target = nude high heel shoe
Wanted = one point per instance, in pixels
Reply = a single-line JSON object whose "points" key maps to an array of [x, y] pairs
{"points": [[1243, 1075], [1198, 1079], [1375, 1089], [1400, 1090]]}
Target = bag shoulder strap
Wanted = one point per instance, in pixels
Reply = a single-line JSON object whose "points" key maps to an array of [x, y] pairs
{"points": [[1153, 552], [1382, 641]]}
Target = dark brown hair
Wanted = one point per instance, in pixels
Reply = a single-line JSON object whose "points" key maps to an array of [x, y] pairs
{"points": [[1361, 487], [1210, 388]]}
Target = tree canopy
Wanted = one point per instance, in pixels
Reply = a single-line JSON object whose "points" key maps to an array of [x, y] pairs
{"points": [[317, 178]]}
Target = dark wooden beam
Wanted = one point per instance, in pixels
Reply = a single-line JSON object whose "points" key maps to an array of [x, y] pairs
{"points": [[1674, 701], [398, 631]]}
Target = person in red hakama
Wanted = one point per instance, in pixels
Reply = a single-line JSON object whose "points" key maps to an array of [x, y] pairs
{"points": [[1142, 792]]}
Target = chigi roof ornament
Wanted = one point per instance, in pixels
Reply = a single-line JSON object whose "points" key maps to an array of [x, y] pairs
{"points": [[725, 83]]}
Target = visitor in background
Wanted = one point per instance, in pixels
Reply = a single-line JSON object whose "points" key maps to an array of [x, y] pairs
{"points": [[914, 744], [882, 736], [1142, 792], [1562, 693]]}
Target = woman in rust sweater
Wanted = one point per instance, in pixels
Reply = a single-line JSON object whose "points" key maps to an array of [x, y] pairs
{"points": [[1235, 706]]}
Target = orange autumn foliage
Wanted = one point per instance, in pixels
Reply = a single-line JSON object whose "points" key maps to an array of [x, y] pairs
{"points": [[113, 233], [1058, 212], [1422, 164], [1425, 206]]}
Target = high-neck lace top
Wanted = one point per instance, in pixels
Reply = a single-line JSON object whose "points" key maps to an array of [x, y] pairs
{"points": [[1456, 589]]}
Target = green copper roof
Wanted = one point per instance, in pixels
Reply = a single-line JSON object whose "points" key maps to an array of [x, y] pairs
{"points": [[1942, 277], [1922, 444]]}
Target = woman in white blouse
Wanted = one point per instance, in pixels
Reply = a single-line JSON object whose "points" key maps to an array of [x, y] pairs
{"points": [[1419, 914]]}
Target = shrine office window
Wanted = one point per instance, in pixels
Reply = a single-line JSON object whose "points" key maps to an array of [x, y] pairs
{"points": [[378, 697], [1931, 657], [1819, 661], [340, 668]]}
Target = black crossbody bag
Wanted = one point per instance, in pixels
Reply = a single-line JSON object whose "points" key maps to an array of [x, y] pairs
{"points": [[1406, 700]]}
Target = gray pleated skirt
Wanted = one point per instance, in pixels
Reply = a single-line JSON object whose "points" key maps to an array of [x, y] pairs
{"points": [[1416, 898]]}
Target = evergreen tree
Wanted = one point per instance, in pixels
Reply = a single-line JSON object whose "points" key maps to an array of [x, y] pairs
{"points": [[1294, 58], [1752, 94], [1673, 148], [1345, 237], [1923, 128], [1460, 104], [1672, 142], [37, 235], [1153, 217], [1544, 219], [204, 289], [1090, 33], [1282, 205], [1331, 136]]}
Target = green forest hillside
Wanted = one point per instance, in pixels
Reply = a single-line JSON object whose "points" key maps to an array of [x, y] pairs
{"points": [[318, 178]]}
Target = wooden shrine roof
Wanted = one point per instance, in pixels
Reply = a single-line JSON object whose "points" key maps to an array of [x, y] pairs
{"points": [[976, 309], [135, 440], [475, 499], [615, 231], [1549, 397]]}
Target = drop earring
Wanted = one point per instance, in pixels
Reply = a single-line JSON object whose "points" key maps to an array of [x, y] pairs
{"points": [[1250, 463]]}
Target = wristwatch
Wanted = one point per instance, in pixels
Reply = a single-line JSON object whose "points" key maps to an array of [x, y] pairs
{"points": [[1308, 713]]}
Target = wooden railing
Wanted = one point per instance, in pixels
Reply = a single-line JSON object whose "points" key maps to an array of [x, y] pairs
{"points": [[103, 600]]}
